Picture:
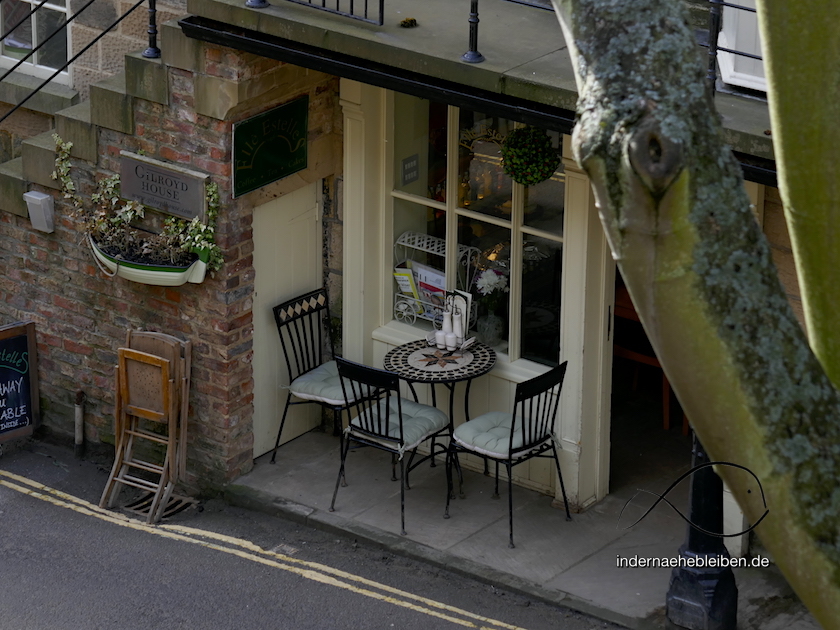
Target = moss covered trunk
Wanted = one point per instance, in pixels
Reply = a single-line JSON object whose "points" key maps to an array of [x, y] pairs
{"points": [[699, 270]]}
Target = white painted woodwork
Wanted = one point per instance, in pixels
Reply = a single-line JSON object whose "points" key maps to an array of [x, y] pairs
{"points": [[740, 32], [287, 260]]}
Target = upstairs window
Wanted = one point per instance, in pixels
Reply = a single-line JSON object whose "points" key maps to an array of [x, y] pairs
{"points": [[26, 32], [740, 32]]}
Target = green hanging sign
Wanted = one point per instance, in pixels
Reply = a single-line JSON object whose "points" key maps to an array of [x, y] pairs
{"points": [[270, 146]]}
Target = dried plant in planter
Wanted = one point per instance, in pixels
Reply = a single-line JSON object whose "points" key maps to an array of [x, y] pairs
{"points": [[114, 223]]}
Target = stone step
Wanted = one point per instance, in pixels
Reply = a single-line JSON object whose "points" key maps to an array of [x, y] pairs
{"points": [[38, 155], [111, 106], [146, 78], [73, 125], [12, 186]]}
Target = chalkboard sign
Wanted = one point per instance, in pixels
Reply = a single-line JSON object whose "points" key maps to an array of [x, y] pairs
{"points": [[270, 146], [19, 413]]}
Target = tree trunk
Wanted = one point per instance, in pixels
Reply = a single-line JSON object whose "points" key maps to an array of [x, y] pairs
{"points": [[802, 62], [699, 270]]}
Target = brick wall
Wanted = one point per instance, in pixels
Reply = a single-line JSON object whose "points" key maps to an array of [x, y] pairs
{"points": [[81, 315]]}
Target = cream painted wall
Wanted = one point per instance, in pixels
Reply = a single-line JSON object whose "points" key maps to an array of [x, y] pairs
{"points": [[287, 263], [363, 107]]}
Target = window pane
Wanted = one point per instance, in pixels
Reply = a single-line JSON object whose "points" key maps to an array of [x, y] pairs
{"points": [[19, 42], [541, 275], [490, 285], [420, 147], [54, 52], [483, 186], [544, 204]]}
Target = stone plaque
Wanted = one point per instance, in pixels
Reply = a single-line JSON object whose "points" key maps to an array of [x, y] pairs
{"points": [[270, 146], [166, 187]]}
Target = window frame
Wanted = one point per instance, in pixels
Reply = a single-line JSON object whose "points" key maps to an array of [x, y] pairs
{"points": [[28, 67], [516, 225]]}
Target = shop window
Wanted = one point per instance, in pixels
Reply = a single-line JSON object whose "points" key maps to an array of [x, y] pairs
{"points": [[34, 30], [466, 225]]}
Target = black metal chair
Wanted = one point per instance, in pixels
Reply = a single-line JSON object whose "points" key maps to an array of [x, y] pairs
{"points": [[303, 326], [381, 418], [512, 438]]}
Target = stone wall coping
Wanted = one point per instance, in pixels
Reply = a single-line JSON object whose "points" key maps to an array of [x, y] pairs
{"points": [[52, 97]]}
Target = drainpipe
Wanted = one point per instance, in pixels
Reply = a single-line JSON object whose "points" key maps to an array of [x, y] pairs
{"points": [[79, 449]]}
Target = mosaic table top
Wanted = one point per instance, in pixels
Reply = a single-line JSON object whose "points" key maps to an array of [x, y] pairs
{"points": [[419, 362]]}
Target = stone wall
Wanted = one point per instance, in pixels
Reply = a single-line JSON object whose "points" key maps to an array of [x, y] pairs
{"points": [[81, 315], [105, 58]]}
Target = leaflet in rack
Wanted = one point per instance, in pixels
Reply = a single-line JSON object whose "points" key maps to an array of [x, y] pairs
{"points": [[431, 285], [405, 281]]}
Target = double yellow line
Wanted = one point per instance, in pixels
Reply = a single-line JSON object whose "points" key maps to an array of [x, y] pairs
{"points": [[249, 551]]}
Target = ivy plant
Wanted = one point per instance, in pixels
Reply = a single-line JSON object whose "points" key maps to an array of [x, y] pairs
{"points": [[528, 156], [113, 223]]}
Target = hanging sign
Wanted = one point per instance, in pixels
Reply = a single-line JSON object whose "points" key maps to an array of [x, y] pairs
{"points": [[19, 412], [270, 146], [166, 187]]}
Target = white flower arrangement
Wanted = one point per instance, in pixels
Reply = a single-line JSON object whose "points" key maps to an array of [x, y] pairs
{"points": [[491, 286], [490, 281]]}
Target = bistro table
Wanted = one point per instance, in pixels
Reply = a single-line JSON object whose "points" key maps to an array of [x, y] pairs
{"points": [[418, 362]]}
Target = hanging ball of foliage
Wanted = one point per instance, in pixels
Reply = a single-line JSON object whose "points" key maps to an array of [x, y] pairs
{"points": [[528, 156]]}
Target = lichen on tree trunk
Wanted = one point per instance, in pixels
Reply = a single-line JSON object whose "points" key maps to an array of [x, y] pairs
{"points": [[699, 270]]}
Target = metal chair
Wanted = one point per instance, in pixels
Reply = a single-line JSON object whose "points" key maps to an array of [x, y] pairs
{"points": [[302, 324], [513, 438], [380, 418]]}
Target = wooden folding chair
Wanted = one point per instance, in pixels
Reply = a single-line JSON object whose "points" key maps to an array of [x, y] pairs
{"points": [[179, 354], [146, 411]]}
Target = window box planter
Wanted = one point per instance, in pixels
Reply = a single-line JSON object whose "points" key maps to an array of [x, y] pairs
{"points": [[158, 275]]}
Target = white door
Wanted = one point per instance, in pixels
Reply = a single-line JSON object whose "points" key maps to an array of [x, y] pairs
{"points": [[287, 263]]}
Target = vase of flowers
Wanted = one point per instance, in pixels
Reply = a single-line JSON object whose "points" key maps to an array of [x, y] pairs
{"points": [[492, 288]]}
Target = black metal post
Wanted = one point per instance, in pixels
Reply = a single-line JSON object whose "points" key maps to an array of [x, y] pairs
{"points": [[715, 17], [256, 4], [703, 597], [152, 52], [472, 55]]}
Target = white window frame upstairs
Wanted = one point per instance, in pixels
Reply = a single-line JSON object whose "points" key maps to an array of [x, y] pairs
{"points": [[28, 67], [740, 32]]}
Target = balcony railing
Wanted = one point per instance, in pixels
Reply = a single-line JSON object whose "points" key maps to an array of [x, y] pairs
{"points": [[715, 27], [372, 11]]}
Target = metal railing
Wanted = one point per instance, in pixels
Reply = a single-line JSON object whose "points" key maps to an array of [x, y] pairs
{"points": [[151, 52], [371, 11], [715, 25]]}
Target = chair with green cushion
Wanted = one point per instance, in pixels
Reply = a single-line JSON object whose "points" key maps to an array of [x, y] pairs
{"points": [[512, 438], [381, 418], [303, 326]]}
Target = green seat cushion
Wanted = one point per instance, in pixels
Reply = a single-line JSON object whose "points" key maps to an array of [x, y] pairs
{"points": [[419, 422], [321, 385], [488, 434]]}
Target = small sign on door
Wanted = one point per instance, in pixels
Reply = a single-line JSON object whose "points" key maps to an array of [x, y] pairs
{"points": [[410, 169]]}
